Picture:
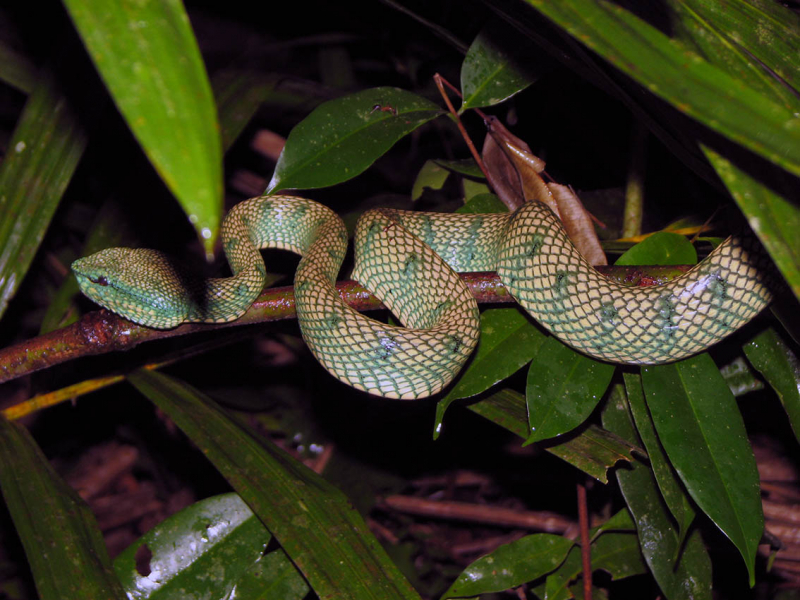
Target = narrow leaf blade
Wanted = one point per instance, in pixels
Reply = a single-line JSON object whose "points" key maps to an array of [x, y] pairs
{"points": [[313, 521], [682, 575], [703, 433], [148, 58], [775, 360], [43, 153], [682, 78], [219, 535], [773, 216], [64, 546]]}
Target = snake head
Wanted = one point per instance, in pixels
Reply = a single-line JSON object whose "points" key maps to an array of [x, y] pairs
{"points": [[139, 284]]}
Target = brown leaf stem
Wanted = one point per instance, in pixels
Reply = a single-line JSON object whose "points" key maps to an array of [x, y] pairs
{"points": [[440, 83]]}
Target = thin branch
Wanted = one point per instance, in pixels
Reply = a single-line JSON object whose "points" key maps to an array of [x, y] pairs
{"points": [[478, 513], [586, 548], [634, 188], [102, 332], [440, 83]]}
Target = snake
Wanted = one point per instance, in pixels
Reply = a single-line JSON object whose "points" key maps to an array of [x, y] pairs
{"points": [[410, 260]]}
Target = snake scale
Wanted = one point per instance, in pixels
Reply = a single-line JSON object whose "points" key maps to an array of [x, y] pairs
{"points": [[409, 260]]}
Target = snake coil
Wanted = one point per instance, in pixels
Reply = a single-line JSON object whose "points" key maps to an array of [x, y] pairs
{"points": [[409, 260]]}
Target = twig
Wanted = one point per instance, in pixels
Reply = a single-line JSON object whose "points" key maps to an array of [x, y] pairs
{"points": [[478, 513], [102, 332], [586, 548], [634, 188], [440, 82]]}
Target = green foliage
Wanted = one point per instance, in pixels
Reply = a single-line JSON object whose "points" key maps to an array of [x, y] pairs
{"points": [[212, 548], [661, 248], [148, 58], [720, 92], [343, 137], [66, 552]]}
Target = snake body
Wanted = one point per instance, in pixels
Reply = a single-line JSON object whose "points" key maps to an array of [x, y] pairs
{"points": [[410, 260]]}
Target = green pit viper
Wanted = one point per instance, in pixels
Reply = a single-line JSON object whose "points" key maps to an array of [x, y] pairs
{"points": [[409, 260]]}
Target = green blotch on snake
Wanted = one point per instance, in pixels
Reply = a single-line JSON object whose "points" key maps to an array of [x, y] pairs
{"points": [[561, 286], [410, 263], [608, 315], [332, 321], [718, 287], [453, 344], [441, 307], [536, 245], [666, 312], [428, 235]]}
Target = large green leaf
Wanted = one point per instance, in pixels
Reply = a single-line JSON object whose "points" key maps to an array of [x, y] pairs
{"points": [[342, 137], [43, 153], [148, 58], [498, 64], [65, 549], [682, 570], [726, 36], [508, 341], [323, 535], [511, 564], [668, 483], [563, 389], [692, 85], [661, 248], [211, 549], [703, 433], [775, 360]]}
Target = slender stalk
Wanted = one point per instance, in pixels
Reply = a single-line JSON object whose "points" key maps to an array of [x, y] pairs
{"points": [[586, 548], [634, 188], [440, 83], [101, 332]]}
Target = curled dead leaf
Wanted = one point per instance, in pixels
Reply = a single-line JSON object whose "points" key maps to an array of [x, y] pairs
{"points": [[513, 172]]}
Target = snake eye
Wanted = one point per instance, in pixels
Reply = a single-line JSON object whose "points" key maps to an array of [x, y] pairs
{"points": [[99, 281]]}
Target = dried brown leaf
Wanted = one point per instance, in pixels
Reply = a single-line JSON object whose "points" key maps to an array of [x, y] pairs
{"points": [[513, 171], [578, 224]]}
